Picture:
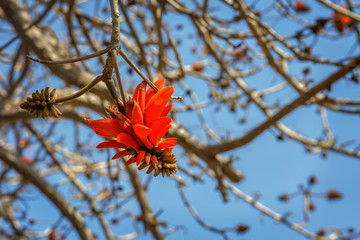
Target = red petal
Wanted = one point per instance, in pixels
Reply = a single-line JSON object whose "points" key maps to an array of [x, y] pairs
{"points": [[111, 144], [137, 116], [121, 119], [142, 132], [129, 107], [147, 158], [156, 104], [128, 140], [169, 140], [155, 161], [151, 92], [139, 94], [139, 157], [124, 125], [157, 125], [163, 131], [166, 110], [165, 145], [130, 161], [106, 127], [121, 154]]}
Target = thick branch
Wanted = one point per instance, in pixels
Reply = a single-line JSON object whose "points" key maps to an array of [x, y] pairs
{"points": [[49, 191]]}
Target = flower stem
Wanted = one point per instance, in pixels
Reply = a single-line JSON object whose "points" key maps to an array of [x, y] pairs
{"points": [[117, 73], [81, 91], [112, 90]]}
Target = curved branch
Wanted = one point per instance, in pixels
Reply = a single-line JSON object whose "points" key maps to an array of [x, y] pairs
{"points": [[49, 191]]}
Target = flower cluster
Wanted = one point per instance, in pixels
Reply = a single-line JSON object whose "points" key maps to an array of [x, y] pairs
{"points": [[139, 127]]}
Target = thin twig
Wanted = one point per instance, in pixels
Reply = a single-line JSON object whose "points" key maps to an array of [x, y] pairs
{"points": [[95, 54], [267, 211], [137, 70], [194, 213]]}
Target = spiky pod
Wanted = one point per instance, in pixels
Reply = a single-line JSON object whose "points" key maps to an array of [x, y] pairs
{"points": [[41, 104]]}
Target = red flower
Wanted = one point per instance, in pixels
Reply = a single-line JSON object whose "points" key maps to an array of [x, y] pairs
{"points": [[300, 6], [198, 67], [26, 159], [340, 21], [139, 128]]}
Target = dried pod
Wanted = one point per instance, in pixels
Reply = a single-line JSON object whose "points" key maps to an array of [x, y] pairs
{"points": [[312, 207], [41, 104], [162, 161], [142, 166], [284, 198], [312, 180], [157, 172], [242, 228], [321, 232], [150, 169], [355, 78], [52, 93], [333, 194]]}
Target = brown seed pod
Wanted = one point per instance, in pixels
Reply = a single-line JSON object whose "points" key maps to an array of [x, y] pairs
{"points": [[41, 104], [167, 165], [284, 198], [161, 161], [333, 194], [142, 166], [312, 180], [157, 172], [242, 228], [150, 169]]}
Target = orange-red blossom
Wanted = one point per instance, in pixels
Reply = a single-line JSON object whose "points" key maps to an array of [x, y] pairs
{"points": [[341, 21], [300, 6], [139, 129]]}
